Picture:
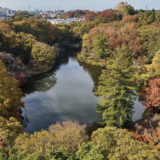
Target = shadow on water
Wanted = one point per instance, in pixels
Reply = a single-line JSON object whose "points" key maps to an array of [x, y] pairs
{"points": [[64, 93], [45, 81]]}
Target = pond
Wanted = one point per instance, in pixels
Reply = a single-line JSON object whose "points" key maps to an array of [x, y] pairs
{"points": [[64, 93]]}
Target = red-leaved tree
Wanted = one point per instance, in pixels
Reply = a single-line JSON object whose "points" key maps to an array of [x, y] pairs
{"points": [[150, 94]]}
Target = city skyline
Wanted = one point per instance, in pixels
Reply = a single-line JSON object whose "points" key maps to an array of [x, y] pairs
{"points": [[71, 4]]}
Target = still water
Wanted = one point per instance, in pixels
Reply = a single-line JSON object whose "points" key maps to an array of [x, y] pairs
{"points": [[65, 93]]}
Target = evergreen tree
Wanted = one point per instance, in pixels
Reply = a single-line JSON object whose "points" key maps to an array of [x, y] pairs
{"points": [[116, 88], [101, 46], [110, 143]]}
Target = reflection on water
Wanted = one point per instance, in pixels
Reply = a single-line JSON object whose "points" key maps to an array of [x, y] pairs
{"points": [[65, 93]]}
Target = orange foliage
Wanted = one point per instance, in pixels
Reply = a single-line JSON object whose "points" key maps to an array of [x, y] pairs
{"points": [[32, 21], [4, 27], [1, 143], [75, 13], [138, 137], [121, 34], [150, 94], [107, 14], [53, 32], [128, 18], [90, 15]]}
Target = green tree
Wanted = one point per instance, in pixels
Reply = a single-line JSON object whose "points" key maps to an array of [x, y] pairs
{"points": [[101, 46], [156, 63], [86, 44], [125, 8], [116, 88], [44, 54], [55, 155], [62, 137], [128, 10], [158, 16], [3, 154], [19, 44], [81, 28], [110, 143], [145, 18], [23, 14], [151, 39], [66, 136], [9, 131], [154, 68], [89, 151]]}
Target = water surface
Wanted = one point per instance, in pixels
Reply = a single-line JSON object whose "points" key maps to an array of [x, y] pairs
{"points": [[65, 93]]}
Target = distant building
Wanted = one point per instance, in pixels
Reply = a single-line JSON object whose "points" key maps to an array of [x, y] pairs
{"points": [[52, 14], [36, 12], [66, 21], [59, 12], [10, 13], [2, 12], [57, 21], [5, 12]]}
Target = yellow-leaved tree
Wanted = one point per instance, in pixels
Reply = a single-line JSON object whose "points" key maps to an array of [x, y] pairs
{"points": [[154, 68], [10, 95]]}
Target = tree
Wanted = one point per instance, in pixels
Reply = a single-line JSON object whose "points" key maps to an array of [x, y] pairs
{"points": [[42, 30], [101, 46], [158, 16], [44, 54], [51, 154], [90, 15], [76, 13], [67, 135], [128, 18], [131, 38], [150, 128], [116, 88], [9, 131], [120, 6], [32, 144], [82, 28], [154, 68], [23, 14], [10, 95], [19, 44], [150, 93], [3, 154], [132, 149], [129, 10], [150, 36], [88, 151], [102, 40], [62, 137], [125, 8], [87, 46], [112, 144], [145, 18], [107, 16]]}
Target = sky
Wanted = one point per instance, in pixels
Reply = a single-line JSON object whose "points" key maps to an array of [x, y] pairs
{"points": [[76, 4]]}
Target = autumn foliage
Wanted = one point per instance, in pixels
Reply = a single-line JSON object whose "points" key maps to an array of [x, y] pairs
{"points": [[150, 94], [10, 95], [126, 43]]}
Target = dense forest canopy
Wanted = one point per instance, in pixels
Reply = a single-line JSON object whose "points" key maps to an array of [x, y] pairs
{"points": [[123, 41]]}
